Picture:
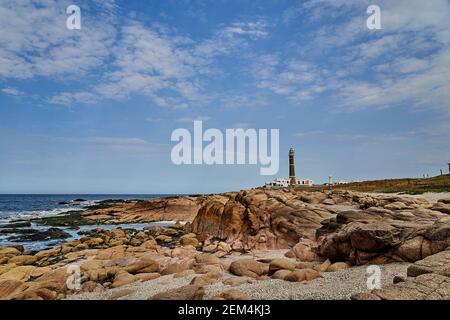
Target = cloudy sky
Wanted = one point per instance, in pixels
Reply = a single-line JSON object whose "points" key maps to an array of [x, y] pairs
{"points": [[92, 110]]}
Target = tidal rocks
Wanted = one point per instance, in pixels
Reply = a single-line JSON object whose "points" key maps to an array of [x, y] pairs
{"points": [[49, 234], [169, 208]]}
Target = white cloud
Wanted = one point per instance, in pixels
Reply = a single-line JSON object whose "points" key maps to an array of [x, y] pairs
{"points": [[36, 42], [192, 119], [167, 68], [12, 91]]}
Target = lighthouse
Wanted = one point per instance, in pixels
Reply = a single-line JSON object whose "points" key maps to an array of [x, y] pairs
{"points": [[292, 179]]}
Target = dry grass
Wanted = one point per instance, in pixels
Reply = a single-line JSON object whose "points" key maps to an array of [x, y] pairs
{"points": [[408, 185]]}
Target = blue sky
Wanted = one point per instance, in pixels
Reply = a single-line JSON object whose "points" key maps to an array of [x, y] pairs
{"points": [[92, 110]]}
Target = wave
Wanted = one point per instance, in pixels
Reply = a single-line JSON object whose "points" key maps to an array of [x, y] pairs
{"points": [[8, 217]]}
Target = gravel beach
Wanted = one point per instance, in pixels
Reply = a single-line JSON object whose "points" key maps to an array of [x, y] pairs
{"points": [[333, 286]]}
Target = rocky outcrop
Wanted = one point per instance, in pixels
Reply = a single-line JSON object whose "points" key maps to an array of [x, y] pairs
{"points": [[171, 208], [384, 231], [262, 219]]}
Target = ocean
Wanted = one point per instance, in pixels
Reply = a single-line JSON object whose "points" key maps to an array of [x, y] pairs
{"points": [[19, 207]]}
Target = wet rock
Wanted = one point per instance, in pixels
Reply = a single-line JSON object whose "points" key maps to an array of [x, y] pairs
{"points": [[14, 225], [50, 234]]}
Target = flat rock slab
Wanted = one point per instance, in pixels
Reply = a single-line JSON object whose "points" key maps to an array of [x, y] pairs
{"points": [[424, 287], [438, 263]]}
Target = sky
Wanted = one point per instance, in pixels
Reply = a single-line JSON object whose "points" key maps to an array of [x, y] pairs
{"points": [[92, 110]]}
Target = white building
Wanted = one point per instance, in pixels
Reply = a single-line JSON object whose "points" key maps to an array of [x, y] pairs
{"points": [[285, 183]]}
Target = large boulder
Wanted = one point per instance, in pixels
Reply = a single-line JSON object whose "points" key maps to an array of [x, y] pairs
{"points": [[382, 236], [249, 268], [260, 219]]}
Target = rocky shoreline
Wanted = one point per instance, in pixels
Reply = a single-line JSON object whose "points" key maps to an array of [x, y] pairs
{"points": [[253, 244]]}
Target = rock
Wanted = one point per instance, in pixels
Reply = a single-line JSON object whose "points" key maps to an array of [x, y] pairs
{"points": [[281, 264], [23, 260], [147, 276], [38, 294], [40, 271], [324, 266], [143, 265], [424, 287], [281, 274], [206, 279], [91, 286], [223, 246], [232, 295], [210, 248], [188, 241], [173, 268], [120, 293], [303, 251], [337, 266], [249, 268], [302, 275], [442, 207], [6, 267], [208, 268], [21, 273], [207, 259], [236, 281], [328, 202], [45, 254], [49, 234], [11, 288], [189, 292], [123, 278], [116, 252], [14, 225], [9, 252], [164, 238], [259, 219], [438, 263], [185, 273], [374, 236]]}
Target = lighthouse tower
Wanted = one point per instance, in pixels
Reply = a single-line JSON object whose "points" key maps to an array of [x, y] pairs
{"points": [[292, 179]]}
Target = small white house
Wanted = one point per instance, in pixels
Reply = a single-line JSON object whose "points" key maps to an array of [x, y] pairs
{"points": [[285, 183], [278, 182]]}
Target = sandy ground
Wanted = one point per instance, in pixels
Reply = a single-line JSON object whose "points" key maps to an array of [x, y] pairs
{"points": [[333, 286]]}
